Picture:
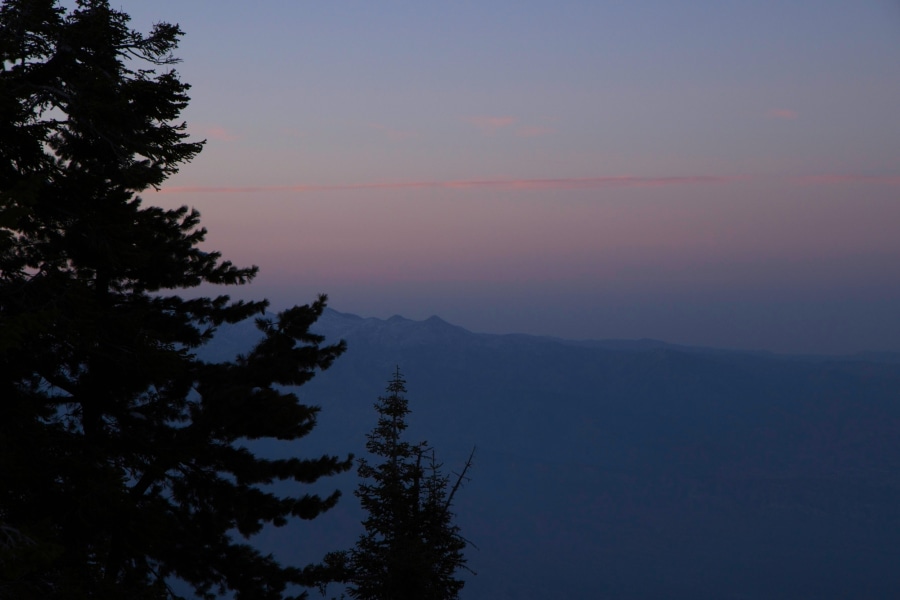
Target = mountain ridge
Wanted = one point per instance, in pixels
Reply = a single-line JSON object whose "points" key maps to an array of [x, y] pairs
{"points": [[434, 323]]}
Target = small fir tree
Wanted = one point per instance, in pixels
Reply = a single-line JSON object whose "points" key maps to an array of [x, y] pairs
{"points": [[411, 549]]}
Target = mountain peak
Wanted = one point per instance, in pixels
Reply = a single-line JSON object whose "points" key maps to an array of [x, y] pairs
{"points": [[396, 329]]}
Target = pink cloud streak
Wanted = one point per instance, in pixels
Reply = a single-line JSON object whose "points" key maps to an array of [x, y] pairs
{"points": [[490, 125], [571, 183], [847, 178], [217, 132], [782, 113]]}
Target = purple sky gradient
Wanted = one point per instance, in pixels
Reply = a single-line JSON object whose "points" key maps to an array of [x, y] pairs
{"points": [[711, 173]]}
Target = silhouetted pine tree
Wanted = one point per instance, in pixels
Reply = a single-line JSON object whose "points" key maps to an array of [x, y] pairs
{"points": [[411, 549], [124, 462]]}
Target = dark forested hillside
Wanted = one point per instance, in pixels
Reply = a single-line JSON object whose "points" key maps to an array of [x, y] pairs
{"points": [[634, 469]]}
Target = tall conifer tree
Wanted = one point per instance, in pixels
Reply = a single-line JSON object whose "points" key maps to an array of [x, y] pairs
{"points": [[123, 456]]}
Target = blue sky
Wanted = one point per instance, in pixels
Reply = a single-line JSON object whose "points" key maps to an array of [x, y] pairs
{"points": [[716, 173]]}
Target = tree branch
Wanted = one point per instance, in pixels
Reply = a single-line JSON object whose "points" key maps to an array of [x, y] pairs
{"points": [[459, 479]]}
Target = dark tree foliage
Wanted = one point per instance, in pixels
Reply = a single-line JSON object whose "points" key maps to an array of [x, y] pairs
{"points": [[123, 456], [411, 549]]}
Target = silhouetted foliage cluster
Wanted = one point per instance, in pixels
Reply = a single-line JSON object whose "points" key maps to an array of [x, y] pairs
{"points": [[411, 549], [124, 456]]}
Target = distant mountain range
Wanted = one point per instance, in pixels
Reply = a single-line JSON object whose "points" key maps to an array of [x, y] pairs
{"points": [[627, 469]]}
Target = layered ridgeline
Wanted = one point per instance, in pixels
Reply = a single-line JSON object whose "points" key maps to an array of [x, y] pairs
{"points": [[629, 469]]}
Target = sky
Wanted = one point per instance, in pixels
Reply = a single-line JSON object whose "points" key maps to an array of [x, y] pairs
{"points": [[702, 172]]}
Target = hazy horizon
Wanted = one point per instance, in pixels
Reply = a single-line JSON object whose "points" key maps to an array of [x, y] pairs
{"points": [[698, 173]]}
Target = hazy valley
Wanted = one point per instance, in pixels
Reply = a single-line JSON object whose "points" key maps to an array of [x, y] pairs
{"points": [[627, 469]]}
